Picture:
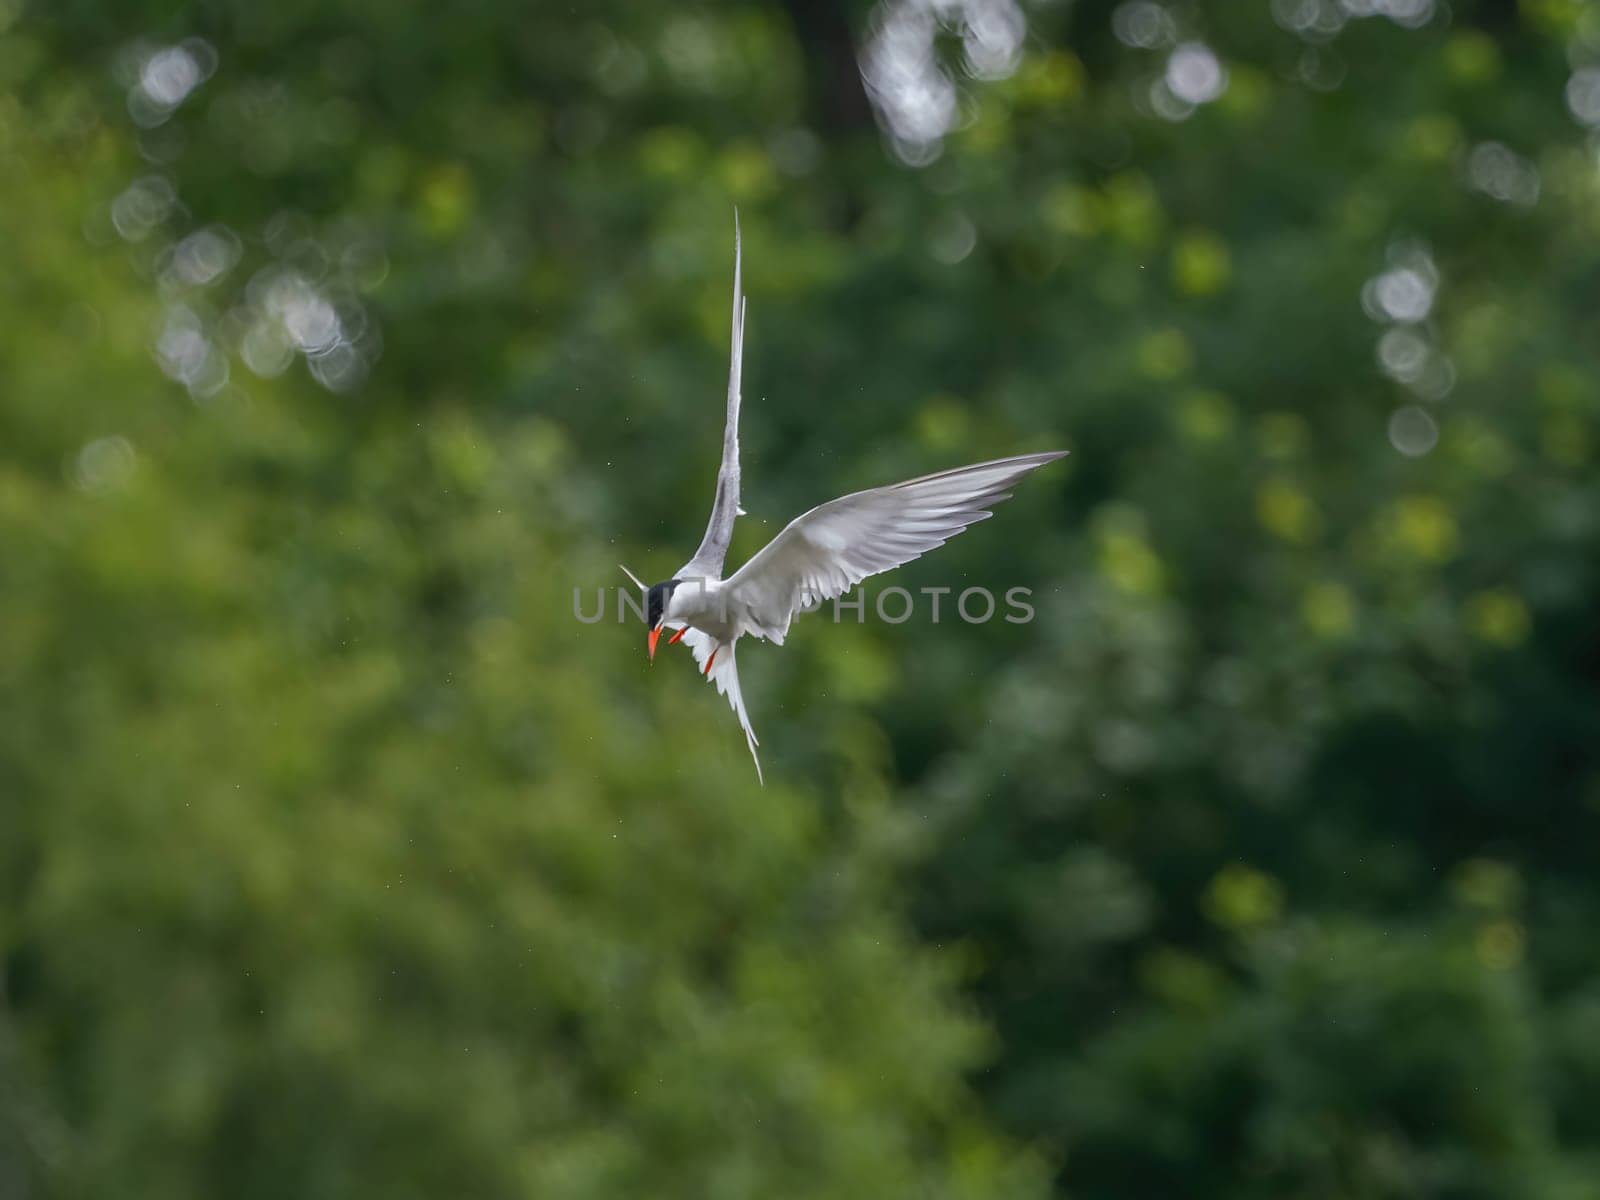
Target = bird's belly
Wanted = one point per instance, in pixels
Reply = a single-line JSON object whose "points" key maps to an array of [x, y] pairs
{"points": [[706, 608]]}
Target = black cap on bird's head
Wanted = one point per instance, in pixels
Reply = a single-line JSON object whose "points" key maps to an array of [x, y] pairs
{"points": [[656, 610], [655, 602]]}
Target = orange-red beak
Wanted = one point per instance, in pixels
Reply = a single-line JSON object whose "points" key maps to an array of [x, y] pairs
{"points": [[653, 637]]}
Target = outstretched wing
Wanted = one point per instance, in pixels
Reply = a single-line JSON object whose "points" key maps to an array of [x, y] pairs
{"points": [[725, 674], [707, 560], [836, 545]]}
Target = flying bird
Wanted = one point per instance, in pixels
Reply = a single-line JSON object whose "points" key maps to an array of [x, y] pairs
{"points": [[819, 555]]}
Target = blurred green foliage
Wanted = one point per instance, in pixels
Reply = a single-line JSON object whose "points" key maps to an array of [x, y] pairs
{"points": [[337, 857]]}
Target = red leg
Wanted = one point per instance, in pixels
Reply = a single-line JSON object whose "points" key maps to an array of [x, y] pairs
{"points": [[677, 637], [711, 660]]}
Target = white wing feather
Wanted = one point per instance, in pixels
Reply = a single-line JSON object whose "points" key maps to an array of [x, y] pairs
{"points": [[827, 551], [708, 559]]}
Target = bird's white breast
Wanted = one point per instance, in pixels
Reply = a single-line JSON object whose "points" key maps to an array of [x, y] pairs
{"points": [[704, 603]]}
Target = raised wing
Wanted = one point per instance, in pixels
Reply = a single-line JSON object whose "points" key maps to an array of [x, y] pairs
{"points": [[725, 674], [708, 559], [836, 545]]}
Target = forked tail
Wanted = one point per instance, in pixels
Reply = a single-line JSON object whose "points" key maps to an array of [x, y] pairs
{"points": [[718, 662]]}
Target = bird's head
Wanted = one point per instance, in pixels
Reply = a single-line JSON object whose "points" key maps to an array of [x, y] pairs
{"points": [[656, 611]]}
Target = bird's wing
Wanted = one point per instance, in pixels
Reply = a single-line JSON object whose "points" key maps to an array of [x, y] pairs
{"points": [[707, 560], [725, 674], [836, 545]]}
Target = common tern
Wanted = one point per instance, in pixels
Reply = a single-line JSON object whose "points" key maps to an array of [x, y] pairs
{"points": [[818, 556]]}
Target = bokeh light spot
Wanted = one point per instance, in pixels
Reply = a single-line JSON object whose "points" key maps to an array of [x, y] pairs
{"points": [[1201, 265], [1499, 172], [1424, 527], [911, 90], [166, 77], [1404, 294], [1328, 610], [1500, 944], [1143, 25], [1412, 431], [142, 206], [1240, 898], [1165, 354], [1583, 95], [1287, 513], [104, 465], [1498, 616], [1205, 416], [1194, 74]]}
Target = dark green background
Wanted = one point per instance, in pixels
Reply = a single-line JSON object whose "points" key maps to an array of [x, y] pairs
{"points": [[337, 859]]}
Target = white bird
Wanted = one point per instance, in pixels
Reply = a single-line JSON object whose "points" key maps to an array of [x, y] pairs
{"points": [[819, 555]]}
